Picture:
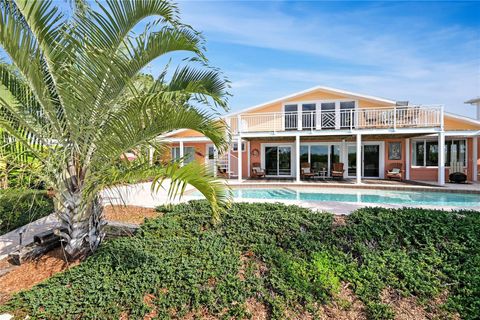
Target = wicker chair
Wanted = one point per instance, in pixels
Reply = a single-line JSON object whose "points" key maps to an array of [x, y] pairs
{"points": [[337, 172], [305, 171], [395, 171], [257, 171]]}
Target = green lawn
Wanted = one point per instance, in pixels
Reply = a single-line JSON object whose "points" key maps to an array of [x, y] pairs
{"points": [[291, 260]]}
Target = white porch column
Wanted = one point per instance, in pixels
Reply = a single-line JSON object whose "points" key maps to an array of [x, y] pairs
{"points": [[407, 159], [475, 157], [181, 153], [344, 157], [248, 158], [359, 158], [441, 158], [297, 158], [151, 150], [239, 154]]}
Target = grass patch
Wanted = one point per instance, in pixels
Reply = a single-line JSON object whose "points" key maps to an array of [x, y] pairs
{"points": [[290, 259]]}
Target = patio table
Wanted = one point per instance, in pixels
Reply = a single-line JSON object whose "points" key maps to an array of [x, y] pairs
{"points": [[321, 174]]}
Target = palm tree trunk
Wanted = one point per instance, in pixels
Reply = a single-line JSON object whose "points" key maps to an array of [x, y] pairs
{"points": [[83, 220]]}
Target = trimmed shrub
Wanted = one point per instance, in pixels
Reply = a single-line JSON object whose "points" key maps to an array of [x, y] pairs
{"points": [[19, 207], [289, 258]]}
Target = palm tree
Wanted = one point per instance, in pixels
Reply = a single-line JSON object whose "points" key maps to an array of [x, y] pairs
{"points": [[73, 101]]}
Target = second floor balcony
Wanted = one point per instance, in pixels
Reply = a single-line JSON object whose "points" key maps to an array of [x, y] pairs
{"points": [[351, 119]]}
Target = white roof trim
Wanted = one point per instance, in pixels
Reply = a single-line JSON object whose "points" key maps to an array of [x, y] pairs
{"points": [[349, 93], [464, 118], [173, 132]]}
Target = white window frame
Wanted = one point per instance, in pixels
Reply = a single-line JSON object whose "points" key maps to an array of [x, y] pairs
{"points": [[328, 144], [415, 141], [318, 110], [235, 147], [293, 157], [381, 159], [176, 150]]}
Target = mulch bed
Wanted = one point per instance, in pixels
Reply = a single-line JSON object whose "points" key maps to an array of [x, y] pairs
{"points": [[17, 278], [31, 273], [129, 214]]}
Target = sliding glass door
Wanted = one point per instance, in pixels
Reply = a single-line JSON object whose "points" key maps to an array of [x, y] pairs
{"points": [[372, 160], [278, 160], [321, 157]]}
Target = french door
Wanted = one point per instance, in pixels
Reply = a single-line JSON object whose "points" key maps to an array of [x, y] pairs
{"points": [[211, 157], [278, 160], [372, 160]]}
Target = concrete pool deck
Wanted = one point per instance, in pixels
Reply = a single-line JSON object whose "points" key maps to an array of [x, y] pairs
{"points": [[471, 187]]}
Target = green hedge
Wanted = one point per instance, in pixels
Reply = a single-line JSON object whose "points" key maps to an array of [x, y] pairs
{"points": [[289, 258], [19, 207]]}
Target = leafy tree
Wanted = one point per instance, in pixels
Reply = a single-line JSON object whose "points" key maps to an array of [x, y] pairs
{"points": [[74, 101]]}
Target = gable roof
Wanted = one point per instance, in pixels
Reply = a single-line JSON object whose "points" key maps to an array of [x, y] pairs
{"points": [[461, 118], [317, 88]]}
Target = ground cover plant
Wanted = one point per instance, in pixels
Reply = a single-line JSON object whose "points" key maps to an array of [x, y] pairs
{"points": [[288, 259], [21, 206]]}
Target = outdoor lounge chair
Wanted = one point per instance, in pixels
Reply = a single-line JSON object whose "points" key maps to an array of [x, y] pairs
{"points": [[457, 172], [338, 170], [395, 171], [305, 171], [257, 171]]}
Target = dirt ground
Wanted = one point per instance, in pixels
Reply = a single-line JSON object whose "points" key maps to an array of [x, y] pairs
{"points": [[130, 214], [31, 273], [16, 278]]}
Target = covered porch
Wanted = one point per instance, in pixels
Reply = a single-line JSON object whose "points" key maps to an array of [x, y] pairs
{"points": [[290, 158]]}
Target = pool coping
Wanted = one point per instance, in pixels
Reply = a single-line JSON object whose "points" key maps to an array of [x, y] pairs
{"points": [[419, 188]]}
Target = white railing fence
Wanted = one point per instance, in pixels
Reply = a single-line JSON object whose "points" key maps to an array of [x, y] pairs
{"points": [[367, 118]]}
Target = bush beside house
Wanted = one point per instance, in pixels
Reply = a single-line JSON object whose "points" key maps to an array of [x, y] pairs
{"points": [[21, 206]]}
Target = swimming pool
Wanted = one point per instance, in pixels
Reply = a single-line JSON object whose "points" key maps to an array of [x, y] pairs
{"points": [[370, 196]]}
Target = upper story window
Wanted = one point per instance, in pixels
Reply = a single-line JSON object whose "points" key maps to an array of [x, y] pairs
{"points": [[235, 146], [319, 115]]}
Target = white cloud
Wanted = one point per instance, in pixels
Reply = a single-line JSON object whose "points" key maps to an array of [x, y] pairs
{"points": [[405, 58]]}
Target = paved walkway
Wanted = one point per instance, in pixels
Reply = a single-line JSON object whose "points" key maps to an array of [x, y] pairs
{"points": [[140, 195], [10, 242]]}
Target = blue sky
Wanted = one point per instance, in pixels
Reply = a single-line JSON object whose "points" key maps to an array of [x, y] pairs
{"points": [[425, 52]]}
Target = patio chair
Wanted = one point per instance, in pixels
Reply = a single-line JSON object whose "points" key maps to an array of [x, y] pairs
{"points": [[257, 171], [395, 171], [457, 172], [305, 171], [337, 172]]}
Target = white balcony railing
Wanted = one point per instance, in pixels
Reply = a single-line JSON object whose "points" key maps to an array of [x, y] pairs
{"points": [[381, 118]]}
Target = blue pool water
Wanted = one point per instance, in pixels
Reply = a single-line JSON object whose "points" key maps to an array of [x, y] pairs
{"points": [[362, 196]]}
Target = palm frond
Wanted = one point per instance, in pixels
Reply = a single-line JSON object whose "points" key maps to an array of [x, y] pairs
{"points": [[197, 175]]}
